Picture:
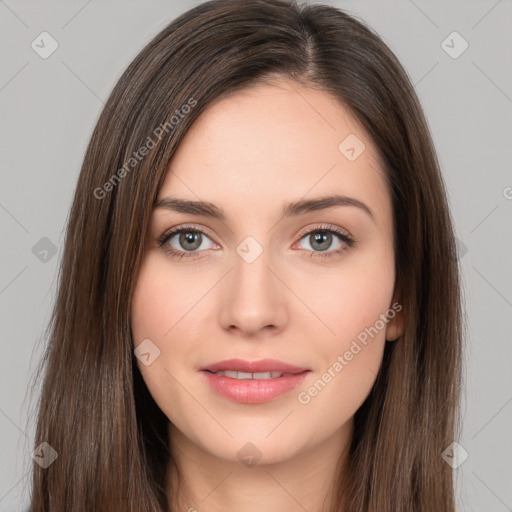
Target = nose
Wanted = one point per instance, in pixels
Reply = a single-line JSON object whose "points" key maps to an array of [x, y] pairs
{"points": [[253, 299]]}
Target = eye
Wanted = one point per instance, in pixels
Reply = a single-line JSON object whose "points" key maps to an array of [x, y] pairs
{"points": [[322, 237], [188, 239]]}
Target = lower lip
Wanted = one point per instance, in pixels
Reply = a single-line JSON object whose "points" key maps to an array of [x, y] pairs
{"points": [[253, 391]]}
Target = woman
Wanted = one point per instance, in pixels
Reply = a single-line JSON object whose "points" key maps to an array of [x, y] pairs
{"points": [[259, 295]]}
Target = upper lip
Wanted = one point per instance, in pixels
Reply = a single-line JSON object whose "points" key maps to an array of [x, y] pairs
{"points": [[264, 365]]}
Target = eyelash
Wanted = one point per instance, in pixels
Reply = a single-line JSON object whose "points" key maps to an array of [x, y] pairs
{"points": [[173, 253]]}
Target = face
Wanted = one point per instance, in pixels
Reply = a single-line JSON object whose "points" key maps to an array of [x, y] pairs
{"points": [[311, 287]]}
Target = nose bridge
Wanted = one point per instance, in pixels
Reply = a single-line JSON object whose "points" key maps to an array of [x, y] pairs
{"points": [[254, 298], [251, 267]]}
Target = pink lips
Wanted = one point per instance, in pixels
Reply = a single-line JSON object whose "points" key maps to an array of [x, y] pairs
{"points": [[253, 391]]}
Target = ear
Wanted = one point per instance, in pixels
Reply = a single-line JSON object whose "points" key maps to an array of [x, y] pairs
{"points": [[396, 324]]}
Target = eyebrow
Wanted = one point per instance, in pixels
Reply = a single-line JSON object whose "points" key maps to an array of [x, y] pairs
{"points": [[293, 209]]}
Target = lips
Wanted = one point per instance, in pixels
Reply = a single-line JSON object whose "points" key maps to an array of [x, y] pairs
{"points": [[262, 366], [253, 382]]}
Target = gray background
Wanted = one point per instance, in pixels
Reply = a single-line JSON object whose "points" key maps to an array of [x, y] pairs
{"points": [[48, 108]]}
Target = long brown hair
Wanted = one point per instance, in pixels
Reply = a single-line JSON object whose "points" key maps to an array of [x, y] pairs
{"points": [[95, 410]]}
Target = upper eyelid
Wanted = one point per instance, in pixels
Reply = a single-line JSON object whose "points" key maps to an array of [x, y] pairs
{"points": [[324, 226], [185, 227]]}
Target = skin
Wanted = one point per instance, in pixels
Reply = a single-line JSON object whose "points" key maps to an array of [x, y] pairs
{"points": [[249, 153]]}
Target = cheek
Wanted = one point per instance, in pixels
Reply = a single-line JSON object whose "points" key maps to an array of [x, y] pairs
{"points": [[161, 301], [350, 299], [159, 307], [150, 308], [164, 305]]}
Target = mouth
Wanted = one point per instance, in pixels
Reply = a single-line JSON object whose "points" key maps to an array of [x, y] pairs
{"points": [[253, 382], [233, 374]]}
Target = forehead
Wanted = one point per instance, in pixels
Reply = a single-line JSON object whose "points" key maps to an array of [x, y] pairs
{"points": [[272, 143]]}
